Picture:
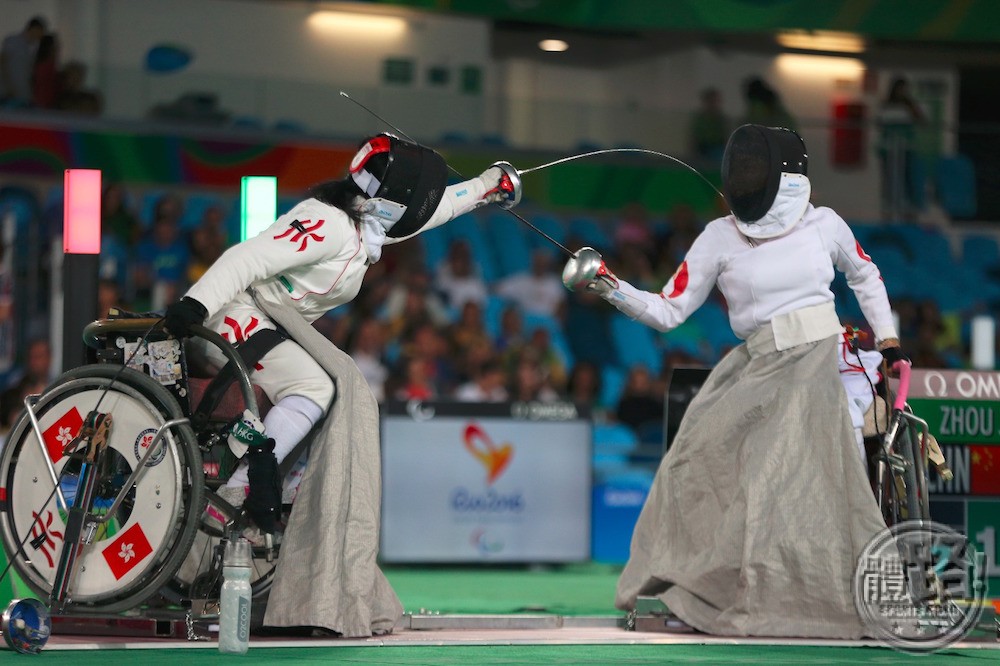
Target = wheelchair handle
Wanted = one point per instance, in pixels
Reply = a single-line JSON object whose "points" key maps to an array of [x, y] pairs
{"points": [[95, 330], [903, 368]]}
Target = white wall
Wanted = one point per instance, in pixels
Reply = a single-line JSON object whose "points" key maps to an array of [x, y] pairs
{"points": [[264, 59]]}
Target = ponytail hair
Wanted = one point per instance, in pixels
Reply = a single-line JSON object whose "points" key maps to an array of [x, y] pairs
{"points": [[339, 194]]}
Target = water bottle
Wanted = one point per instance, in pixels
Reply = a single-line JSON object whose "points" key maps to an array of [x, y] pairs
{"points": [[234, 606]]}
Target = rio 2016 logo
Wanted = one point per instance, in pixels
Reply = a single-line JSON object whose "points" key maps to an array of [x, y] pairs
{"points": [[494, 458]]}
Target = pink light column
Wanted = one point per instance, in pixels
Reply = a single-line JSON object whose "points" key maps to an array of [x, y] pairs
{"points": [[82, 211]]}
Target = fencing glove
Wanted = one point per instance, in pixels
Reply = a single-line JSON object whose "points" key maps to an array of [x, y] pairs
{"points": [[182, 315]]}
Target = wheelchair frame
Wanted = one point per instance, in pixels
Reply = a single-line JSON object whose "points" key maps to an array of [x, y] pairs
{"points": [[901, 470], [89, 450]]}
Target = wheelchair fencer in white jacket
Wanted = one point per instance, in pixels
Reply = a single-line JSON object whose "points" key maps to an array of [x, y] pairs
{"points": [[319, 252]]}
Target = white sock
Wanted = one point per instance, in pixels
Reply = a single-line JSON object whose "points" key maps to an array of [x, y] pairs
{"points": [[287, 423]]}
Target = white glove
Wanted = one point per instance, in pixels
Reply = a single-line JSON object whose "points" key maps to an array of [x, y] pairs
{"points": [[502, 185], [586, 271]]}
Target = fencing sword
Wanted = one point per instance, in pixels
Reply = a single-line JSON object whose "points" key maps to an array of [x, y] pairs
{"points": [[521, 172]]}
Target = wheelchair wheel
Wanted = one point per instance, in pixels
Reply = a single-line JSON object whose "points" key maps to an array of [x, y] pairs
{"points": [[137, 550]]}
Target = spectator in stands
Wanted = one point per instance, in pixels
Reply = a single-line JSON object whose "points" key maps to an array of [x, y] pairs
{"points": [[37, 374], [641, 402], [45, 73], [412, 294], [683, 226], [161, 258], [487, 386], [538, 290], [417, 383], [764, 105], [584, 384], [207, 242], [529, 383], [74, 96], [117, 219], [458, 279], [511, 338], [587, 329], [633, 228], [367, 350], [17, 60], [109, 295], [540, 347], [898, 118], [429, 344], [466, 334], [477, 356], [415, 311], [709, 130]]}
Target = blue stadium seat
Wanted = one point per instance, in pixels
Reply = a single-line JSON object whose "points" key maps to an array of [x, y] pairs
{"points": [[980, 251], [247, 123], [20, 202], [492, 313], [466, 227], [635, 344], [148, 206], [591, 233], [285, 204], [614, 438], [195, 206], [435, 244], [509, 237], [290, 126], [955, 183], [612, 383], [552, 226]]}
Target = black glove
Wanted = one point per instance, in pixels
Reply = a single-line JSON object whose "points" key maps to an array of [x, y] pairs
{"points": [[263, 504], [182, 315], [893, 354]]}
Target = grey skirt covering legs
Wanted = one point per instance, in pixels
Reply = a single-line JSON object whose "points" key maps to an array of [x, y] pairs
{"points": [[761, 507], [327, 575]]}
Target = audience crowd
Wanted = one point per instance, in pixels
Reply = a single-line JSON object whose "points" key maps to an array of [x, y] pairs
{"points": [[423, 331]]}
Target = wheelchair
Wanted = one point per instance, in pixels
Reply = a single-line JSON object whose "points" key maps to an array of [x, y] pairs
{"points": [[899, 457], [108, 478]]}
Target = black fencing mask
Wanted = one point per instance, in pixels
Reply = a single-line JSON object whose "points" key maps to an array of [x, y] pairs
{"points": [[404, 181], [752, 165]]}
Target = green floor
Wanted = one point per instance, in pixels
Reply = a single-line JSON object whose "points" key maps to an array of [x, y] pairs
{"points": [[586, 589], [525, 654]]}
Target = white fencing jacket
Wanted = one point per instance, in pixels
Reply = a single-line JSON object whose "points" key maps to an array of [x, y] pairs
{"points": [[763, 278], [315, 252]]}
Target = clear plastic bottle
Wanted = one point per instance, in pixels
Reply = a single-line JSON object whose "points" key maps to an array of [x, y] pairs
{"points": [[234, 606]]}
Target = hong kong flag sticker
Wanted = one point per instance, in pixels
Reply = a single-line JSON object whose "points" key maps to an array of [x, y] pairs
{"points": [[61, 433], [125, 552]]}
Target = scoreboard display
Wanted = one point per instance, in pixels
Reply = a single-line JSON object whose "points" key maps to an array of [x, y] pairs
{"points": [[962, 409]]}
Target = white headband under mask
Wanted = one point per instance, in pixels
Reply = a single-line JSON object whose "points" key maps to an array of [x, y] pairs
{"points": [[789, 206]]}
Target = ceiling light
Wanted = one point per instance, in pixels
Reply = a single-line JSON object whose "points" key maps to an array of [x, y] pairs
{"points": [[822, 40], [328, 21], [554, 45]]}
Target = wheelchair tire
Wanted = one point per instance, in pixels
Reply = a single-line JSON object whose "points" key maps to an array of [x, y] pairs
{"points": [[138, 550]]}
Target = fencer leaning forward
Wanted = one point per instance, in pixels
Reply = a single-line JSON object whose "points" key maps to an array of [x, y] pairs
{"points": [[761, 506], [309, 261]]}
